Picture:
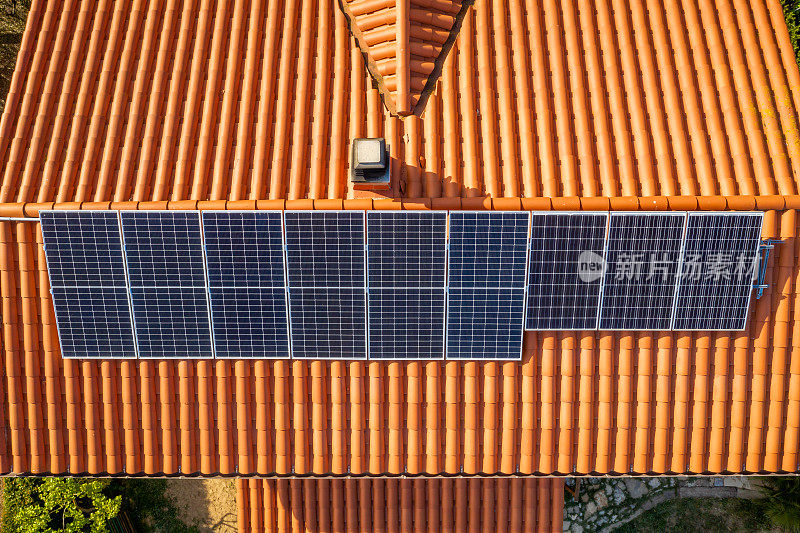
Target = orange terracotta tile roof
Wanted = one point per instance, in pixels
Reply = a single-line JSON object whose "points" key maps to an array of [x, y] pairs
{"points": [[400, 505], [539, 105]]}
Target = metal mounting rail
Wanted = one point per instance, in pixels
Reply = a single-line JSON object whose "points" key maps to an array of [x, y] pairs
{"points": [[18, 219], [764, 250]]}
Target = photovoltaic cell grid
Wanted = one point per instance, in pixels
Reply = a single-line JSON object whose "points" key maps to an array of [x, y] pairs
{"points": [[406, 276], [83, 248], [718, 264], [641, 270], [164, 250], [486, 284], [565, 270], [247, 289], [87, 279], [327, 284]]}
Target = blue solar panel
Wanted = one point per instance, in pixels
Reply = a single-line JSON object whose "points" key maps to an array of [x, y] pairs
{"points": [[641, 270], [94, 322], [325, 248], [565, 270], [244, 248], [718, 264], [83, 248], [164, 250], [250, 322], [87, 282], [327, 284], [486, 284], [171, 322], [485, 323], [328, 323], [407, 274], [488, 248], [244, 255], [407, 248]]}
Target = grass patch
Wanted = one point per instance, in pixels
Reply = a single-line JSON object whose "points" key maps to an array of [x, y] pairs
{"points": [[147, 505], [701, 514]]}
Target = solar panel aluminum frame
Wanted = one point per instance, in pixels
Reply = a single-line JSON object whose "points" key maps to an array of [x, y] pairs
{"points": [[444, 288], [524, 288], [288, 288], [528, 272], [680, 258], [285, 281], [759, 214], [127, 288], [205, 288]]}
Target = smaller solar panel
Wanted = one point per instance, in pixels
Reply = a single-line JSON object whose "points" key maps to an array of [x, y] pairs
{"points": [[488, 248], [406, 323], [87, 281], [244, 248], [325, 248], [163, 248], [407, 248], [328, 323], [94, 322], [485, 323], [565, 271], [641, 270], [83, 248], [171, 322], [719, 259], [249, 322]]}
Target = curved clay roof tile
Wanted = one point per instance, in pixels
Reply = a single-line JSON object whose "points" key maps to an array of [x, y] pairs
{"points": [[405, 43]]}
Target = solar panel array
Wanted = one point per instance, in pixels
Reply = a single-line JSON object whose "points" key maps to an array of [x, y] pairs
{"points": [[385, 285]]}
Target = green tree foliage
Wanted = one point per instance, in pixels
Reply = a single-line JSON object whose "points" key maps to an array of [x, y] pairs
{"points": [[791, 12], [56, 505], [782, 501]]}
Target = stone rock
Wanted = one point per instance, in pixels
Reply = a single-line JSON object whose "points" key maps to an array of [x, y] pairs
{"points": [[577, 528], [618, 495], [609, 489], [653, 482], [565, 525], [601, 499], [591, 508], [636, 488], [585, 498]]}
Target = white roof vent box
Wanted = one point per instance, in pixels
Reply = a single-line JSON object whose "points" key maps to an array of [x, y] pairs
{"points": [[369, 164]]}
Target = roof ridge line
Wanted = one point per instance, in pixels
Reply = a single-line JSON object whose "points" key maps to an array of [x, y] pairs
{"points": [[390, 33]]}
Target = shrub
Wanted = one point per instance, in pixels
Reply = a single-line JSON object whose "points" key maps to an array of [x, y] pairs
{"points": [[49, 505], [791, 12]]}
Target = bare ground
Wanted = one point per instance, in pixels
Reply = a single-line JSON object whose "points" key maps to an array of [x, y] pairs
{"points": [[207, 504]]}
